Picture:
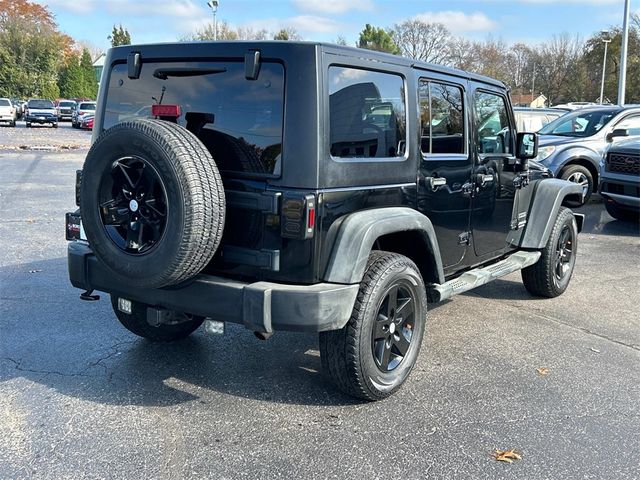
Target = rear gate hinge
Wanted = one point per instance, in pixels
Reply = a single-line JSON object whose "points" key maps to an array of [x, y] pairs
{"points": [[464, 238]]}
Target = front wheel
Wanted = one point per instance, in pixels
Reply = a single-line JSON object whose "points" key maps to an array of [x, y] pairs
{"points": [[181, 324], [582, 176], [550, 276], [373, 354]]}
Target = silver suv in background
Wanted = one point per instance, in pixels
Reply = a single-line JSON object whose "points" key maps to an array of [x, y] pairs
{"points": [[82, 109], [65, 109], [573, 145], [8, 112]]}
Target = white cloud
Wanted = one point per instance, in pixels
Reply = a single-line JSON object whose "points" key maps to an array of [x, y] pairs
{"points": [[73, 6], [157, 8], [459, 22], [332, 6]]}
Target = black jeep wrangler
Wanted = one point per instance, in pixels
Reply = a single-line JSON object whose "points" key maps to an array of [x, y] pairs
{"points": [[309, 187]]}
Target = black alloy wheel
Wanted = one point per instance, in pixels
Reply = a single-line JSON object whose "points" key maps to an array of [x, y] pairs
{"points": [[374, 353], [551, 274], [564, 252], [393, 330], [133, 205]]}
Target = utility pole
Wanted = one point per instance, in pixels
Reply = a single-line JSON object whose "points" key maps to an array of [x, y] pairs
{"points": [[604, 64], [622, 85], [213, 5], [533, 83]]}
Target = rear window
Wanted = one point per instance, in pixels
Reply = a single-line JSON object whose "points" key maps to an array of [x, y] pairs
{"points": [[4, 103], [40, 104], [238, 120], [87, 106]]}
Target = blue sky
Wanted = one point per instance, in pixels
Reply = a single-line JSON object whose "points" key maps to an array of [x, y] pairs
{"points": [[528, 21]]}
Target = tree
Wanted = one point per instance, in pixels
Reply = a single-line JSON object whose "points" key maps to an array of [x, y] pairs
{"points": [[70, 81], [119, 36], [288, 33], [378, 39], [428, 42], [31, 49], [89, 81]]}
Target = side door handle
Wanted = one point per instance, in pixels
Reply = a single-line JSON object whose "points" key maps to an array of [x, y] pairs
{"points": [[435, 182]]}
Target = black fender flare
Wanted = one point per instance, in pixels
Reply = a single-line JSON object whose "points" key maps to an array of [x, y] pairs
{"points": [[546, 202], [358, 232]]}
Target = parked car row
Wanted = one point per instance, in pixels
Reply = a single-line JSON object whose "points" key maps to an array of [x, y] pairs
{"points": [[47, 112]]}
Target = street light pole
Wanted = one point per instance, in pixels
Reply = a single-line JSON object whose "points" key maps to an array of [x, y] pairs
{"points": [[213, 5], [623, 54], [604, 65]]}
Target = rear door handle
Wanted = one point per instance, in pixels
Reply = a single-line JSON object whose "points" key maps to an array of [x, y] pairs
{"points": [[482, 179]]}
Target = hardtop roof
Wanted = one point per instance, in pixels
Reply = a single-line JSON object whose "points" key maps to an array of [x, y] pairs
{"points": [[331, 48]]}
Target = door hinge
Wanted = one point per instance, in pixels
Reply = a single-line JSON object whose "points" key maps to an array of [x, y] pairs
{"points": [[464, 238]]}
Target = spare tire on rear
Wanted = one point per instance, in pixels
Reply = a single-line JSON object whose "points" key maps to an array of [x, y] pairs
{"points": [[152, 202]]}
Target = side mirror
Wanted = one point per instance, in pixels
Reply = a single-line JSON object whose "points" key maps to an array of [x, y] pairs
{"points": [[527, 146], [618, 132]]}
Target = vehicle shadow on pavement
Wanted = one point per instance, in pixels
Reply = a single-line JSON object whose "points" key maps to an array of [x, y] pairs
{"points": [[78, 348]]}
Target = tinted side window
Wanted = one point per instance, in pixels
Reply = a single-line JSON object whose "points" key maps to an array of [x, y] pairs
{"points": [[442, 118], [631, 123], [367, 114], [491, 123]]}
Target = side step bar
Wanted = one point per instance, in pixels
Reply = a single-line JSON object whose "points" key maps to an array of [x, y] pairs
{"points": [[479, 276]]}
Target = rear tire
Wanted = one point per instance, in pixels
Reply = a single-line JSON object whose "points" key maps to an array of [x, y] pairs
{"points": [[582, 176], [136, 323], [28, 125], [550, 276], [373, 354]]}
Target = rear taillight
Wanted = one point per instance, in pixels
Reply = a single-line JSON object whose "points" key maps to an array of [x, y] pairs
{"points": [[298, 218]]}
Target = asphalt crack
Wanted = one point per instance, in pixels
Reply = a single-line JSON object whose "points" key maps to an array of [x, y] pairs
{"points": [[20, 368], [589, 332]]}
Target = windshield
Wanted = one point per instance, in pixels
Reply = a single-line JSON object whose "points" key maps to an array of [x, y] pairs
{"points": [[4, 103], [580, 123], [40, 104], [67, 104], [87, 106]]}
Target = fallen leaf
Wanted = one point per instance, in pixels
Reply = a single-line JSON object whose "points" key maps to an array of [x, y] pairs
{"points": [[542, 371], [507, 456], [35, 271], [595, 350]]}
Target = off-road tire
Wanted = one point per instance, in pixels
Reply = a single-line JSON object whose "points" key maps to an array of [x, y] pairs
{"points": [[347, 354], [570, 172], [194, 196], [136, 323], [541, 278], [620, 213]]}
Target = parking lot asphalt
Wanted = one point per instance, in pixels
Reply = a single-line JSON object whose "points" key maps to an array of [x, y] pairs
{"points": [[80, 397]]}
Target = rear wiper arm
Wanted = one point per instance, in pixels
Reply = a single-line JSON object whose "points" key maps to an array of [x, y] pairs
{"points": [[164, 73]]}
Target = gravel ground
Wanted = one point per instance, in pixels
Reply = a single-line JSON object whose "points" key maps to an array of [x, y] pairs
{"points": [[80, 397], [43, 137]]}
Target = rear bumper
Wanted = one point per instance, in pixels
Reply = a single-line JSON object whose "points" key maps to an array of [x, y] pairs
{"points": [[259, 306]]}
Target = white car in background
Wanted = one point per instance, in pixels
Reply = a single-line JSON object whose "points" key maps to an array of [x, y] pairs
{"points": [[82, 109], [8, 112]]}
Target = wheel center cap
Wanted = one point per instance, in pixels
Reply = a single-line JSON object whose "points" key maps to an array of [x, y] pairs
{"points": [[133, 205], [392, 328]]}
